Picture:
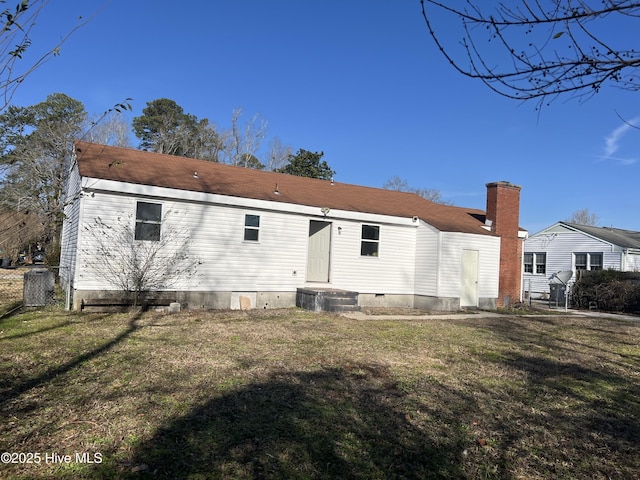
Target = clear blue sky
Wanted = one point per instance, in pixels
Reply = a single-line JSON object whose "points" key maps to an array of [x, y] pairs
{"points": [[360, 80]]}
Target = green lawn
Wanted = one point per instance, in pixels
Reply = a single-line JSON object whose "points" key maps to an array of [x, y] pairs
{"points": [[290, 394]]}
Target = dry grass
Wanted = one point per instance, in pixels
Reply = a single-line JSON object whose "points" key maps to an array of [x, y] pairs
{"points": [[291, 394], [11, 281]]}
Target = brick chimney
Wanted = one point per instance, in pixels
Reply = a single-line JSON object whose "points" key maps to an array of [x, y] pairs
{"points": [[503, 213]]}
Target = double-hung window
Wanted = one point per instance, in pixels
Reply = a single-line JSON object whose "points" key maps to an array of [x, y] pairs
{"points": [[251, 228], [148, 221], [370, 241], [588, 261], [535, 263], [595, 261]]}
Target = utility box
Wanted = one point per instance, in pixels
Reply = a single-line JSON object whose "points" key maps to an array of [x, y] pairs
{"points": [[38, 290]]}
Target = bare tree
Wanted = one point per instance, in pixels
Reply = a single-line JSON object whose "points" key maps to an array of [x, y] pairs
{"points": [[539, 49], [16, 25], [583, 217], [402, 185], [110, 129], [278, 154], [243, 141], [19, 229], [137, 267]]}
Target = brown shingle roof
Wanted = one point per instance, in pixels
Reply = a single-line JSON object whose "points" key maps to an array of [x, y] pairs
{"points": [[146, 168]]}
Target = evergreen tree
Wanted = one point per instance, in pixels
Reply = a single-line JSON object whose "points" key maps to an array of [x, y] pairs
{"points": [[164, 127], [308, 164]]}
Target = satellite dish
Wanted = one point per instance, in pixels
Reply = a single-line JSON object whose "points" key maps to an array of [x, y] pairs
{"points": [[562, 277]]}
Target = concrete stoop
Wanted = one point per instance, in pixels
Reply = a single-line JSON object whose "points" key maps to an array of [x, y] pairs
{"points": [[327, 300]]}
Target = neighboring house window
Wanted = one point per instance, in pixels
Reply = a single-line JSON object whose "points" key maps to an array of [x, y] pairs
{"points": [[588, 261], [595, 261], [535, 263], [541, 262], [370, 241], [251, 228], [148, 221]]}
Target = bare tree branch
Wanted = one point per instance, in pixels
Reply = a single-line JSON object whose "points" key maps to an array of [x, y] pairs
{"points": [[15, 40], [540, 49]]}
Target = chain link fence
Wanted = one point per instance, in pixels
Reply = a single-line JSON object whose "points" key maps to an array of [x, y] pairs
{"points": [[28, 285], [11, 285]]}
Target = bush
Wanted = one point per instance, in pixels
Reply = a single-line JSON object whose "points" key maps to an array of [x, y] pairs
{"points": [[609, 290]]}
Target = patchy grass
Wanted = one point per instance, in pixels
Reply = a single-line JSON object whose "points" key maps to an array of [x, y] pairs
{"points": [[292, 394], [11, 281]]}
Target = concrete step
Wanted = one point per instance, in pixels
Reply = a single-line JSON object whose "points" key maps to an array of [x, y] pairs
{"points": [[327, 300]]}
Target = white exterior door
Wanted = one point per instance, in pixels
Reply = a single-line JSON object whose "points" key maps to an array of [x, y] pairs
{"points": [[319, 251], [469, 286]]}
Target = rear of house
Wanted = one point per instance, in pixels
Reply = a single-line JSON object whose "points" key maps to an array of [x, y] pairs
{"points": [[218, 236], [571, 247]]}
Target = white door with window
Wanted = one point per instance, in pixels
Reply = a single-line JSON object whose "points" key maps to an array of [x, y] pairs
{"points": [[469, 288], [319, 251]]}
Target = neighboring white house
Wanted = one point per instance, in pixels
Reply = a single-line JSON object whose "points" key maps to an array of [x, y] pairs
{"points": [[568, 246], [235, 233]]}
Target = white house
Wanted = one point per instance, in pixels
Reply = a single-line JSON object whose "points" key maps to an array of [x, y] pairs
{"points": [[222, 236], [568, 246]]}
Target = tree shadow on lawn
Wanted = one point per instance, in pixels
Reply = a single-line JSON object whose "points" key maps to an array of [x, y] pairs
{"points": [[13, 387], [345, 422], [583, 393]]}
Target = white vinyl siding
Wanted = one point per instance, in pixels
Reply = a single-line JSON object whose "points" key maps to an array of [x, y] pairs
{"points": [[450, 268], [69, 242], [226, 261], [413, 259], [391, 272], [427, 259]]}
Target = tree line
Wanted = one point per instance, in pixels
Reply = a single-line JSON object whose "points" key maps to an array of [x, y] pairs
{"points": [[36, 149]]}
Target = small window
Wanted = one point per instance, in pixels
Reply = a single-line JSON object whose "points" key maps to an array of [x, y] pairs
{"points": [[148, 221], [528, 262], [251, 228], [370, 241], [541, 262]]}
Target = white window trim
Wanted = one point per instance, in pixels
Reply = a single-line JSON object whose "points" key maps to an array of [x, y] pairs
{"points": [[363, 240], [148, 222], [535, 263], [246, 227], [588, 255]]}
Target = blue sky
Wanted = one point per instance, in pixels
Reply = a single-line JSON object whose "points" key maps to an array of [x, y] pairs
{"points": [[360, 80]]}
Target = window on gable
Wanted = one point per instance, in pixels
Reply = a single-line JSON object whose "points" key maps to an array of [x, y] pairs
{"points": [[251, 228], [148, 221], [535, 263], [370, 241]]}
